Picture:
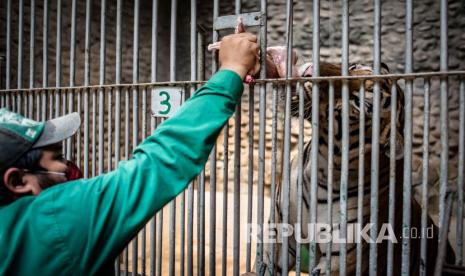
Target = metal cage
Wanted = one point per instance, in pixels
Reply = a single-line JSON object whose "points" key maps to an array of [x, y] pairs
{"points": [[117, 116]]}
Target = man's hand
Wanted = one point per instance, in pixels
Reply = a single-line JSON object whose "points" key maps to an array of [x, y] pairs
{"points": [[239, 53]]}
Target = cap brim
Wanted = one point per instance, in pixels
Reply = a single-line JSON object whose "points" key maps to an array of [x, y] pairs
{"points": [[58, 129]]}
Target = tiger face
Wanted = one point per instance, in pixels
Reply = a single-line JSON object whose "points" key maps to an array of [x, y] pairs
{"points": [[357, 103]]}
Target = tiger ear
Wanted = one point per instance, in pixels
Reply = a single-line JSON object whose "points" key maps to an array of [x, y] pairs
{"points": [[385, 67], [399, 153]]}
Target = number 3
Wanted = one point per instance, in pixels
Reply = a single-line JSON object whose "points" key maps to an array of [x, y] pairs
{"points": [[165, 102]]}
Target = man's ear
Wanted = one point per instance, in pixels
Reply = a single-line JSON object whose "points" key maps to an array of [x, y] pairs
{"points": [[19, 183]]}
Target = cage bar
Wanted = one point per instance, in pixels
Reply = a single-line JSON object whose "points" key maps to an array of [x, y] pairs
{"points": [[101, 102], [375, 140], [30, 112], [315, 130], [8, 51], [407, 187], [20, 48], [361, 175], [250, 174], [425, 173], [345, 138], [459, 230], [261, 134], [444, 116]]}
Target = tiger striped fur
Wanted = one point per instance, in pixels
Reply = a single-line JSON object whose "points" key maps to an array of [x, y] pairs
{"points": [[322, 204]]}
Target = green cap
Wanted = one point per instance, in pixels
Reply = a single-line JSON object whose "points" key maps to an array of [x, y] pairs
{"points": [[19, 134]]}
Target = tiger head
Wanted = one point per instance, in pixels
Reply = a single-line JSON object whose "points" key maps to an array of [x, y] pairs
{"points": [[356, 105]]}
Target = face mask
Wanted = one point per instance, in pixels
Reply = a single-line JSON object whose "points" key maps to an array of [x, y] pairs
{"points": [[73, 172]]}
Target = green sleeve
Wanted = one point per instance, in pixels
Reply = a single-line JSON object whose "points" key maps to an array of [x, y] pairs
{"points": [[99, 216]]}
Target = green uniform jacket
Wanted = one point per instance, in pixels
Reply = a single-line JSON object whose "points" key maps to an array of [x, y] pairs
{"points": [[80, 227]]}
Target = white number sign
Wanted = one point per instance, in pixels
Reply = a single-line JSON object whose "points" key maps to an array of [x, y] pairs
{"points": [[166, 101]]}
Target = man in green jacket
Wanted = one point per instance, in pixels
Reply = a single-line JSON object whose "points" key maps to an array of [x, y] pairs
{"points": [[79, 227]]}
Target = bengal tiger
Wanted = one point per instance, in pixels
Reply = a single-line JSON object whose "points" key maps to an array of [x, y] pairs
{"points": [[355, 102]]}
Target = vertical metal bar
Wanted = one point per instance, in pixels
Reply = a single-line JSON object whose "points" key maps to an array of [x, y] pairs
{"points": [[425, 172], [345, 138], [361, 174], [58, 48], [45, 60], [86, 90], [144, 135], [72, 67], [135, 111], [159, 238], [444, 116], [274, 128], [126, 157], [392, 175], [20, 46], [300, 145], [407, 177], [261, 134], [225, 199], [118, 93], [101, 101], [190, 229], [331, 170], [110, 130], [250, 174], [237, 173], [8, 50], [212, 234], [174, 7], [201, 226], [287, 136], [459, 231], [375, 139], [32, 55], [212, 237], [57, 59], [315, 129], [154, 52], [190, 193]]}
